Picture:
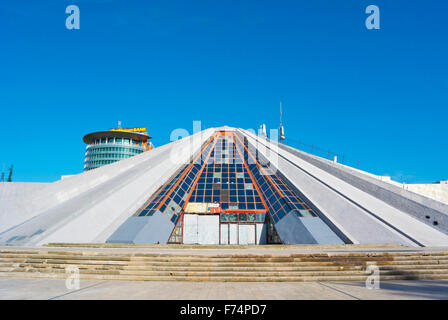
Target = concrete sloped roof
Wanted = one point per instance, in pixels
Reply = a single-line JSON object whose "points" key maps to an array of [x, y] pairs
{"points": [[361, 216], [98, 205]]}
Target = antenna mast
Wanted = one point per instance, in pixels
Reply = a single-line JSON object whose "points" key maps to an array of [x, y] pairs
{"points": [[282, 130], [280, 114]]}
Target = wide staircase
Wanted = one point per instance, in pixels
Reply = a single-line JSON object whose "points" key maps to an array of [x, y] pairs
{"points": [[333, 266]]}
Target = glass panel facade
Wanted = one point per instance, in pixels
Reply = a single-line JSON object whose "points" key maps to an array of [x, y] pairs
{"points": [[175, 192], [108, 152], [224, 179], [227, 172], [281, 200]]}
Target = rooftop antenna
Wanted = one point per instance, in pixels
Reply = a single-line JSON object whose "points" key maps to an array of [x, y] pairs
{"points": [[262, 130], [119, 124], [282, 129], [3, 174], [10, 173]]}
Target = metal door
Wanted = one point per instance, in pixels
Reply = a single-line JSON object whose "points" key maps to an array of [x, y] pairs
{"points": [[208, 229], [190, 229], [233, 233]]}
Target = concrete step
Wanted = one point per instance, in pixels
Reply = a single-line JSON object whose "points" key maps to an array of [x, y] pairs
{"points": [[33, 260], [174, 258], [224, 279], [207, 264], [178, 268], [235, 268], [223, 254], [342, 255], [343, 266], [214, 273], [285, 264], [66, 256], [220, 246]]}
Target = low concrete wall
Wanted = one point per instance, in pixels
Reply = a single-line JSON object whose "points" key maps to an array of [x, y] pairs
{"points": [[9, 190], [14, 202], [436, 191]]}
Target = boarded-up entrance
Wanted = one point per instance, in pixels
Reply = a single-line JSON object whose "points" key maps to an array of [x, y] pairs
{"points": [[233, 234], [240, 233], [201, 229]]}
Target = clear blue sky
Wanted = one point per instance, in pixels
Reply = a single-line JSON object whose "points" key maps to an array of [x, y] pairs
{"points": [[377, 96]]}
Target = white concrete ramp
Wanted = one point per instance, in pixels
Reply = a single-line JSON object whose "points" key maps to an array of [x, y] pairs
{"points": [[359, 215], [90, 206]]}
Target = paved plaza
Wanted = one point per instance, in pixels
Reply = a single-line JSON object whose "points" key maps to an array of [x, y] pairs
{"points": [[49, 289]]}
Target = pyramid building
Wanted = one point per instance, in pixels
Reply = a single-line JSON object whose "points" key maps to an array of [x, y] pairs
{"points": [[220, 186]]}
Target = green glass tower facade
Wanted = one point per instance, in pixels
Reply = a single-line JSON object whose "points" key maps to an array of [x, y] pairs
{"points": [[106, 147]]}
